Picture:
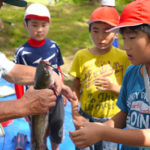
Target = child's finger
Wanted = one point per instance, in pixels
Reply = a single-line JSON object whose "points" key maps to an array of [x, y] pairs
{"points": [[101, 88], [74, 134], [78, 124]]}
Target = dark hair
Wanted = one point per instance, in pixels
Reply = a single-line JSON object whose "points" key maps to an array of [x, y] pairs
{"points": [[90, 27], [144, 28], [26, 21]]}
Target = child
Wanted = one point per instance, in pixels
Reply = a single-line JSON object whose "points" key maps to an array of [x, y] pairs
{"points": [[37, 22], [98, 72], [111, 3], [134, 99]]}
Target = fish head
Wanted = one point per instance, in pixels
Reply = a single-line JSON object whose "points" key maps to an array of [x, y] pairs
{"points": [[44, 76]]}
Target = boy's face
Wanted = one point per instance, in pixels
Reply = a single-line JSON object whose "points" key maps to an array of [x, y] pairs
{"points": [[38, 29], [137, 46], [100, 37]]}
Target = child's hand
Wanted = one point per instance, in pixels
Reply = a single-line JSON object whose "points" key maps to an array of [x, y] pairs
{"points": [[103, 84], [79, 118], [87, 134]]}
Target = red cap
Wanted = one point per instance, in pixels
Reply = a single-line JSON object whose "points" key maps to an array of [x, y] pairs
{"points": [[37, 11], [107, 15], [135, 13]]}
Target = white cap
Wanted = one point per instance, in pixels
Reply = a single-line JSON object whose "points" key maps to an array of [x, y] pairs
{"points": [[108, 3], [38, 12]]}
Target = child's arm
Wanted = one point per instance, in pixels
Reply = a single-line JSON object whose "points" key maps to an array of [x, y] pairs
{"points": [[75, 104], [104, 84], [85, 136]]}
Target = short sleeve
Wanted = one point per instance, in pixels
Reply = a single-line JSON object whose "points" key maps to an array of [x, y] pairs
{"points": [[5, 65]]}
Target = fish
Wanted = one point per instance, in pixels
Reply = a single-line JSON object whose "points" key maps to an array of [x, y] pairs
{"points": [[39, 123]]}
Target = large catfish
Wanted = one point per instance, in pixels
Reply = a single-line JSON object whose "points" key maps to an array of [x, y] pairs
{"points": [[39, 123]]}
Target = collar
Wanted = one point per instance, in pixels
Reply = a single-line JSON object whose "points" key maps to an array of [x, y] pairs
{"points": [[36, 43]]}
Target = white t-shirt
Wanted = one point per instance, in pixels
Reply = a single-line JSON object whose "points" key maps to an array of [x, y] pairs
{"points": [[5, 65]]}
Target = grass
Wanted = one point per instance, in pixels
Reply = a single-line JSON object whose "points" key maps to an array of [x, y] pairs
{"points": [[68, 27]]}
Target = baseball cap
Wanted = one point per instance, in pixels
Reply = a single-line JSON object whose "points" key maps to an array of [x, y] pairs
{"points": [[105, 14], [108, 2], [38, 12], [135, 13], [20, 3]]}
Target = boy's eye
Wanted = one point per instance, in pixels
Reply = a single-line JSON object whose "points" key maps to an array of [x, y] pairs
{"points": [[132, 37], [34, 25], [106, 32], [95, 31], [43, 25]]}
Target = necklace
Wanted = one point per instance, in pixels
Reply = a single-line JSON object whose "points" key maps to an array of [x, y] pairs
{"points": [[147, 83]]}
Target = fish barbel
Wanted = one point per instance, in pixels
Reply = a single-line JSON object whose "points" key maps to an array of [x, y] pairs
{"points": [[39, 123]]}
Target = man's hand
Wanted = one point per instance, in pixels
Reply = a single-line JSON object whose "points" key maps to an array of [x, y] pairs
{"points": [[38, 101], [67, 92], [63, 89]]}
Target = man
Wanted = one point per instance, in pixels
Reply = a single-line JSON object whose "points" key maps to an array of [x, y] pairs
{"points": [[33, 101]]}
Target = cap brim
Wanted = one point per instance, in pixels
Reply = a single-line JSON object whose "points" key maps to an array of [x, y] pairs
{"points": [[20, 3], [107, 22], [116, 29]]}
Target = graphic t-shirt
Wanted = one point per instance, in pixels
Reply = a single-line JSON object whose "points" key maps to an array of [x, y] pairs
{"points": [[132, 100], [88, 67], [30, 55], [5, 65]]}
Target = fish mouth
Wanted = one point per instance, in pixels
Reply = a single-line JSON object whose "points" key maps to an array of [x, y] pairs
{"points": [[46, 62]]}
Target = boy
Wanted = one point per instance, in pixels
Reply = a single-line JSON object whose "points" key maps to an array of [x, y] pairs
{"points": [[134, 99], [37, 21], [98, 73], [111, 3]]}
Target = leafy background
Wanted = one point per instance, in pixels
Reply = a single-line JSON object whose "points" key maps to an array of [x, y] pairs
{"points": [[68, 26]]}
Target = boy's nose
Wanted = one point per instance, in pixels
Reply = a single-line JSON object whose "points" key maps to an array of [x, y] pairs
{"points": [[40, 28], [101, 37], [127, 46]]}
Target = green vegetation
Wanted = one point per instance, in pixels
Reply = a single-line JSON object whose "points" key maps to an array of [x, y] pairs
{"points": [[68, 25]]}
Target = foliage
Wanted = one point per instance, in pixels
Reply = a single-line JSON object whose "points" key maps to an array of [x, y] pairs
{"points": [[68, 27], [120, 4]]}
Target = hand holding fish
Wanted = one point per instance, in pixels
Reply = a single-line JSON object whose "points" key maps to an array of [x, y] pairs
{"points": [[61, 88], [67, 92], [45, 78], [38, 101]]}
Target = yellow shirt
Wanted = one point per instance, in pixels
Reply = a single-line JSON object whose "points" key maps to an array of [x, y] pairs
{"points": [[87, 67]]}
